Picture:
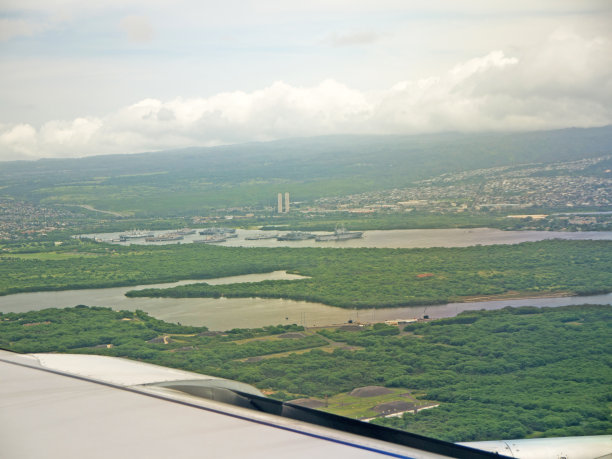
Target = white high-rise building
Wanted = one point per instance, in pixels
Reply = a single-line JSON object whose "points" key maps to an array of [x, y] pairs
{"points": [[280, 203], [286, 203]]}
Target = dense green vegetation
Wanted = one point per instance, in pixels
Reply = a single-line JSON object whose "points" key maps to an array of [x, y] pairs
{"points": [[560, 222], [381, 221], [366, 278], [509, 373], [352, 278], [427, 220], [194, 181], [534, 364], [63, 330]]}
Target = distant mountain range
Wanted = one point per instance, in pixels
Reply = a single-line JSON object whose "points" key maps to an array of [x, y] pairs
{"points": [[187, 181]]}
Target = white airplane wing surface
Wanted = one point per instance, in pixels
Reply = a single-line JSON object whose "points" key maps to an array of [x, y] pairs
{"points": [[78, 406], [88, 406]]}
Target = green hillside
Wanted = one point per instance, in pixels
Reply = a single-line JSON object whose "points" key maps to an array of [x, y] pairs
{"points": [[195, 180]]}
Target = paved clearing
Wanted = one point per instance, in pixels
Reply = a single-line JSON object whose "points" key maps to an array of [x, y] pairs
{"points": [[370, 391]]}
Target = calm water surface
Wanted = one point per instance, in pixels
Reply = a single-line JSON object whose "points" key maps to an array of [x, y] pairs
{"points": [[454, 237], [228, 313]]}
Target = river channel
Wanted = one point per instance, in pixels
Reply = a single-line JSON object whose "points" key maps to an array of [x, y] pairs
{"points": [[228, 313]]}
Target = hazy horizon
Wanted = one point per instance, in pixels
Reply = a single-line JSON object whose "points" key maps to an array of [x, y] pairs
{"points": [[440, 134], [129, 77]]}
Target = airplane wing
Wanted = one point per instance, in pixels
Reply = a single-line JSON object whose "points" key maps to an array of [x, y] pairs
{"points": [[82, 406], [75, 406]]}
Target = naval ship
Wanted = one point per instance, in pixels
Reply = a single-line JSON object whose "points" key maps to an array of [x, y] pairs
{"points": [[296, 236], [340, 234]]}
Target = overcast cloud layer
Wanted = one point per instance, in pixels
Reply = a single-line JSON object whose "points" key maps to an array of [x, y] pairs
{"points": [[531, 81]]}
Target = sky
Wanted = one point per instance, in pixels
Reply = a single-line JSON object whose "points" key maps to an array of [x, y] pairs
{"points": [[84, 78]]}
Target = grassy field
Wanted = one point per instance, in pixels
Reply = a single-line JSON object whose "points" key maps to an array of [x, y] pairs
{"points": [[49, 256], [331, 345], [345, 404]]}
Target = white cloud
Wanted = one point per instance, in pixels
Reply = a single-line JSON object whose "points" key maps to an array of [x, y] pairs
{"points": [[11, 28], [70, 135], [19, 140], [566, 81], [356, 38], [495, 59], [137, 28]]}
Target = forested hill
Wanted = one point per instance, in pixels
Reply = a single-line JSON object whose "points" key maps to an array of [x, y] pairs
{"points": [[308, 167]]}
